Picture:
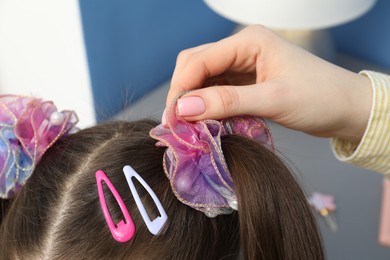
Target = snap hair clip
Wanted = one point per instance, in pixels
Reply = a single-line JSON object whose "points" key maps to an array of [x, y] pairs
{"points": [[154, 226], [124, 230]]}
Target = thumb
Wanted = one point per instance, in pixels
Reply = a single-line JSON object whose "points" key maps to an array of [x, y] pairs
{"points": [[219, 102]]}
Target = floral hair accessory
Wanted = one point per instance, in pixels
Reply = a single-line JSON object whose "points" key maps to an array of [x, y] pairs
{"points": [[194, 162], [28, 127], [324, 204]]}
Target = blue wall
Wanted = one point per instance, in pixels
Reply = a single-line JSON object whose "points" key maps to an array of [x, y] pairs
{"points": [[132, 45], [367, 37]]}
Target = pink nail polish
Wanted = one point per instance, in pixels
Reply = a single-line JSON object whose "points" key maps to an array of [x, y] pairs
{"points": [[191, 106]]}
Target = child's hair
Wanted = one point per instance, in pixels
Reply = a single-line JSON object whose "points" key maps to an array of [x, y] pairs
{"points": [[57, 214]]}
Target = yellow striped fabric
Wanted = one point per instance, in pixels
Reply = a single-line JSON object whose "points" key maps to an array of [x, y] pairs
{"points": [[373, 151]]}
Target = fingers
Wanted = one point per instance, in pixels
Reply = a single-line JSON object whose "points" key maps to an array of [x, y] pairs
{"points": [[223, 101], [192, 68], [195, 66]]}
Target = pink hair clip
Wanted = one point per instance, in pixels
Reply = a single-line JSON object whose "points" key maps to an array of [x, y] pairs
{"points": [[125, 229]]}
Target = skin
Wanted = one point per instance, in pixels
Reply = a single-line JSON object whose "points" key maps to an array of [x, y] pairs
{"points": [[256, 72]]}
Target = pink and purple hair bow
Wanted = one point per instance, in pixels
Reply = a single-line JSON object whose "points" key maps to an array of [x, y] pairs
{"points": [[28, 127], [194, 161]]}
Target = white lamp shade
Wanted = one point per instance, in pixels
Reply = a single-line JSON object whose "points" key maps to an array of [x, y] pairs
{"points": [[291, 14]]}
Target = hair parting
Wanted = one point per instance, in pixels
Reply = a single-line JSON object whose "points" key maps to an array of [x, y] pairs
{"points": [[57, 214]]}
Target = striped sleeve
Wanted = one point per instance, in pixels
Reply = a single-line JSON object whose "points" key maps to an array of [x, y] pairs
{"points": [[373, 151]]}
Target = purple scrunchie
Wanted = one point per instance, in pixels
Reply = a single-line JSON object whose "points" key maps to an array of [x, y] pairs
{"points": [[194, 161], [28, 127]]}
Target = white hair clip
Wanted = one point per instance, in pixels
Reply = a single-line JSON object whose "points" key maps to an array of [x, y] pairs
{"points": [[154, 226]]}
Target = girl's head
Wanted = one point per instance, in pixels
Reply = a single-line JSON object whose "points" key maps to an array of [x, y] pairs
{"points": [[57, 214]]}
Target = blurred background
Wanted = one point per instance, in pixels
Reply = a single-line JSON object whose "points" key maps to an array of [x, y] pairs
{"points": [[114, 59]]}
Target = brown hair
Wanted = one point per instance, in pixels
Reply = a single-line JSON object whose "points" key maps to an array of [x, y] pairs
{"points": [[57, 215]]}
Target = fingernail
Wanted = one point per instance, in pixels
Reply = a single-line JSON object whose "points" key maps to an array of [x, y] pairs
{"points": [[191, 106], [163, 119]]}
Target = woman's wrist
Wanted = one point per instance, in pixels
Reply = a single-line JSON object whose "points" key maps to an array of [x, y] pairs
{"points": [[373, 151], [358, 104]]}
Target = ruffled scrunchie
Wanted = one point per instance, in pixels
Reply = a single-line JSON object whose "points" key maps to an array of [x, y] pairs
{"points": [[28, 127], [194, 161]]}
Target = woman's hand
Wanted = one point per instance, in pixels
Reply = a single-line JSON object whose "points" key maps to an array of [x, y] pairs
{"points": [[256, 72]]}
